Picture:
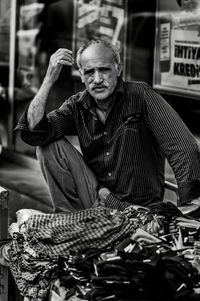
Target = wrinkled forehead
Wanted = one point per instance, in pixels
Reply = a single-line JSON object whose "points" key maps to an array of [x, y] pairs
{"points": [[97, 53]]}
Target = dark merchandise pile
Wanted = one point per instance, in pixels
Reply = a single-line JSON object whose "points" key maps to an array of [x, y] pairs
{"points": [[146, 254]]}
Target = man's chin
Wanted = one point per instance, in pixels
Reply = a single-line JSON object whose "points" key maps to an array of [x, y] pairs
{"points": [[100, 96]]}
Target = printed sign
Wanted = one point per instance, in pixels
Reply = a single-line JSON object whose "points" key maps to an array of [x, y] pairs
{"points": [[177, 51]]}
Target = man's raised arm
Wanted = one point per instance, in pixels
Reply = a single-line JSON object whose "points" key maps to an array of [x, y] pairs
{"points": [[37, 107]]}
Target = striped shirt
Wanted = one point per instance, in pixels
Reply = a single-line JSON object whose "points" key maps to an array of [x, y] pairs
{"points": [[126, 152]]}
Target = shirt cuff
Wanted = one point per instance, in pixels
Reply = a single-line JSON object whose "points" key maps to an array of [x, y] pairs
{"points": [[42, 126], [38, 135], [189, 192]]}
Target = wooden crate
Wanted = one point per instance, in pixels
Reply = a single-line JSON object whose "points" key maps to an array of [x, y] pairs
{"points": [[3, 235]]}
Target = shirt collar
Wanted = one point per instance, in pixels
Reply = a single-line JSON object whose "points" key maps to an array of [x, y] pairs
{"points": [[88, 101]]}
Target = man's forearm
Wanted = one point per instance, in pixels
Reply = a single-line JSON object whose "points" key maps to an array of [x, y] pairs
{"points": [[37, 107]]}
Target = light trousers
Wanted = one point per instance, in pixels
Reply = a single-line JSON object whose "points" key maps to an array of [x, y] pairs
{"points": [[72, 184]]}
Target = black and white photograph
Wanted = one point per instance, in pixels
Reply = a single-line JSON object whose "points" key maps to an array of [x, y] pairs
{"points": [[99, 150]]}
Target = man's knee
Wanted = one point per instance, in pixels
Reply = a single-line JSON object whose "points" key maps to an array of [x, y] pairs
{"points": [[56, 150], [39, 152], [46, 157], [43, 152]]}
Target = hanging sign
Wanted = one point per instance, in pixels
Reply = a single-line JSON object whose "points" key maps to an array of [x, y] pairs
{"points": [[177, 49]]}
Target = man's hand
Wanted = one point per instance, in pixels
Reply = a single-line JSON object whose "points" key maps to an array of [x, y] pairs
{"points": [[196, 201], [103, 193], [62, 56], [190, 207]]}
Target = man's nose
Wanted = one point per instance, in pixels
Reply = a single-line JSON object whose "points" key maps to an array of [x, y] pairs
{"points": [[97, 77]]}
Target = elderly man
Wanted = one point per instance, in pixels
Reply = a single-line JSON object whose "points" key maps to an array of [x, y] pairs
{"points": [[125, 129]]}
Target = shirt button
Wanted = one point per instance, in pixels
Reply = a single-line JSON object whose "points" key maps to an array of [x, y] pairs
{"points": [[109, 174]]}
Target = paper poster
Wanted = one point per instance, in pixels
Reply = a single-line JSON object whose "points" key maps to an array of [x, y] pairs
{"points": [[177, 60]]}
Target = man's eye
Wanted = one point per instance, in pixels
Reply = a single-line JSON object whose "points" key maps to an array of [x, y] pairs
{"points": [[104, 69], [88, 72]]}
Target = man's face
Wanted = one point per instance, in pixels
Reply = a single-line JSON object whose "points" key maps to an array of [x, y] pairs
{"points": [[99, 71]]}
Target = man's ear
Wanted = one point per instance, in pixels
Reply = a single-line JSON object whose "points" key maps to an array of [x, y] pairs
{"points": [[81, 75], [119, 69]]}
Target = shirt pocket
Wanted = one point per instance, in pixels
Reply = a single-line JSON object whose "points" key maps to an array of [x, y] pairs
{"points": [[131, 122]]}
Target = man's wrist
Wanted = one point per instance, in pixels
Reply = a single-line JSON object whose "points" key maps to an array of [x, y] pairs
{"points": [[189, 192]]}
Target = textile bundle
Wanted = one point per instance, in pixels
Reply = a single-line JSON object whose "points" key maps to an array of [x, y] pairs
{"points": [[93, 252]]}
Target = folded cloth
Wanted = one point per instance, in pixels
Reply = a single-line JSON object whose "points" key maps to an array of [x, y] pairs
{"points": [[167, 209], [42, 238]]}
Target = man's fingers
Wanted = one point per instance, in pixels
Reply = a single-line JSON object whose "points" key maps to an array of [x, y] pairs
{"points": [[63, 57], [62, 50], [67, 61]]}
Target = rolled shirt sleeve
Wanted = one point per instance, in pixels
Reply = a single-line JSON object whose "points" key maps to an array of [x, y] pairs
{"points": [[52, 126], [35, 137]]}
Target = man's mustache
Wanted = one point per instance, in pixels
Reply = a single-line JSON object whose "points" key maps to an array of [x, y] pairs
{"points": [[99, 86]]}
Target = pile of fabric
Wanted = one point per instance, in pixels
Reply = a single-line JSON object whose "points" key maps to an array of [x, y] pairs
{"points": [[103, 254]]}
